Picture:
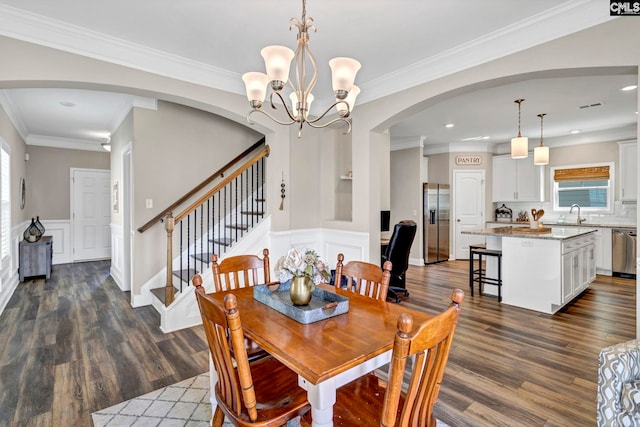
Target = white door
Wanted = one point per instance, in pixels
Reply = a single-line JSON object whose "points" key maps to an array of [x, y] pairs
{"points": [[468, 209], [91, 214]]}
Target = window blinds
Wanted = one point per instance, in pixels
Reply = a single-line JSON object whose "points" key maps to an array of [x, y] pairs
{"points": [[5, 203], [581, 174]]}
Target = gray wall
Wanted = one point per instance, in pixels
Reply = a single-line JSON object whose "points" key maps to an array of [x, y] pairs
{"points": [[439, 172], [584, 154], [48, 178], [174, 149], [406, 191]]}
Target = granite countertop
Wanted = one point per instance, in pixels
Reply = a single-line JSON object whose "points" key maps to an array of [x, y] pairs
{"points": [[567, 224], [556, 233]]}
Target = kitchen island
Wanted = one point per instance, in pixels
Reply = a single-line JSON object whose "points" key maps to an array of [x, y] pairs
{"points": [[542, 270]]}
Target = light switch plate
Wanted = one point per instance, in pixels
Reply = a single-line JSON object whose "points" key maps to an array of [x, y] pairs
{"points": [[149, 203]]}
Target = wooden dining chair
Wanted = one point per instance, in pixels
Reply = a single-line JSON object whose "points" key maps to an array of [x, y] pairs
{"points": [[240, 271], [264, 393], [359, 402], [364, 278], [254, 351]]}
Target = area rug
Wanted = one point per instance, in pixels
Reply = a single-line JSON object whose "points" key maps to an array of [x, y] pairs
{"points": [[185, 404]]}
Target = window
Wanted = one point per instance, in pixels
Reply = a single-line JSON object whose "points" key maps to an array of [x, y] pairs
{"points": [[589, 186], [5, 203]]}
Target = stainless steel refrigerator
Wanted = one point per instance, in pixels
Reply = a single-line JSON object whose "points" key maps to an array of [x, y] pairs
{"points": [[436, 222]]}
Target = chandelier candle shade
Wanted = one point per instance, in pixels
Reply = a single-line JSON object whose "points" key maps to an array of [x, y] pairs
{"points": [[541, 153], [277, 60], [519, 144]]}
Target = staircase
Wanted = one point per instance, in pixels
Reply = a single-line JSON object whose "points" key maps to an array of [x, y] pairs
{"points": [[218, 221]]}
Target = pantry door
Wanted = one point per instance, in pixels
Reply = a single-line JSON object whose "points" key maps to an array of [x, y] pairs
{"points": [[468, 209]]}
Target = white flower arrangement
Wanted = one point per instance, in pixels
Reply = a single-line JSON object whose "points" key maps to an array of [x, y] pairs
{"points": [[302, 263]]}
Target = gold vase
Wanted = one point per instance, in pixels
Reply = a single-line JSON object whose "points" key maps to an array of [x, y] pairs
{"points": [[300, 290]]}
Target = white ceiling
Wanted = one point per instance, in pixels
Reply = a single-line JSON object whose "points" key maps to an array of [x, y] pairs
{"points": [[400, 44]]}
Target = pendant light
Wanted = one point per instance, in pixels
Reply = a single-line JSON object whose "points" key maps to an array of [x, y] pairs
{"points": [[519, 144], [541, 153]]}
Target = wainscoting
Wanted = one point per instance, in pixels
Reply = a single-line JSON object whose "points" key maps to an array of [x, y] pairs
{"points": [[60, 230]]}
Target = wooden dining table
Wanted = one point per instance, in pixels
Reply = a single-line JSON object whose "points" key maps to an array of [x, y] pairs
{"points": [[329, 353]]}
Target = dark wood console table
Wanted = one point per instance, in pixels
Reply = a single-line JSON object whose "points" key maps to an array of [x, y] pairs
{"points": [[35, 258]]}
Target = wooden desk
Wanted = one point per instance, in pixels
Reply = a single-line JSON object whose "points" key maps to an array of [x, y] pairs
{"points": [[326, 354]]}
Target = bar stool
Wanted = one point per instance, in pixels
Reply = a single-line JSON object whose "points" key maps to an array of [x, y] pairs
{"points": [[479, 275]]}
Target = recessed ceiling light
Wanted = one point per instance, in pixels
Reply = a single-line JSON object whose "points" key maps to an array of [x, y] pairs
{"points": [[575, 131], [449, 125], [67, 104], [630, 87], [476, 138]]}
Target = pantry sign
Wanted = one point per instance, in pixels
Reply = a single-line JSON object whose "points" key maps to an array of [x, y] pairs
{"points": [[468, 160]]}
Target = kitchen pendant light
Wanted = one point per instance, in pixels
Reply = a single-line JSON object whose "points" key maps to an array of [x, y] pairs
{"points": [[519, 144], [541, 153]]}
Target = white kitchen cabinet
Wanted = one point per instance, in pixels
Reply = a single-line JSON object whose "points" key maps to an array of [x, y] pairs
{"points": [[569, 268], [578, 266], [515, 179], [628, 171], [591, 264], [603, 251]]}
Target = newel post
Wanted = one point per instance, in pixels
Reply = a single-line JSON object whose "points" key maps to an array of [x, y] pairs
{"points": [[169, 225]]}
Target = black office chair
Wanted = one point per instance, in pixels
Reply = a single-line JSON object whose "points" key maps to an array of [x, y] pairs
{"points": [[398, 253]]}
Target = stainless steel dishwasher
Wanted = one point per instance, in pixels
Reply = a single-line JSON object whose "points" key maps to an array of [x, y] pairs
{"points": [[623, 262]]}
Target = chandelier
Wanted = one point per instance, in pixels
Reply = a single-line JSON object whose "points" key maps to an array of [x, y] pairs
{"points": [[278, 60]]}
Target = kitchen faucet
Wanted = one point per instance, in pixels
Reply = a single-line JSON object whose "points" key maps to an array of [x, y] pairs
{"points": [[579, 220]]}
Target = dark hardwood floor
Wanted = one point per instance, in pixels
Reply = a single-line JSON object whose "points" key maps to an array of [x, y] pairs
{"points": [[515, 367], [73, 344]]}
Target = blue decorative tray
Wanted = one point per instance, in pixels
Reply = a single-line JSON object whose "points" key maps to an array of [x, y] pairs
{"points": [[323, 304]]}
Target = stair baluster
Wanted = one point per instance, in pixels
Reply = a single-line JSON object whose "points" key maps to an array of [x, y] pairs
{"points": [[233, 205]]}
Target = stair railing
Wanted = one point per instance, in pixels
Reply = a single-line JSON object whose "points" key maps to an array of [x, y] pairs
{"points": [[218, 174], [213, 222]]}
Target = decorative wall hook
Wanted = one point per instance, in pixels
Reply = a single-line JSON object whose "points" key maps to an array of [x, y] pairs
{"points": [[282, 191]]}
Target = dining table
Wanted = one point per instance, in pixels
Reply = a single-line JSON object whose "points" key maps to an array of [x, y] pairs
{"points": [[326, 354]]}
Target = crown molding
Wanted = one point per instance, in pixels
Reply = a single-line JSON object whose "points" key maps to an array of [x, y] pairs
{"points": [[533, 31], [68, 143], [405, 143], [9, 108], [127, 104], [471, 147], [34, 28], [121, 114], [546, 26], [621, 134], [148, 103]]}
